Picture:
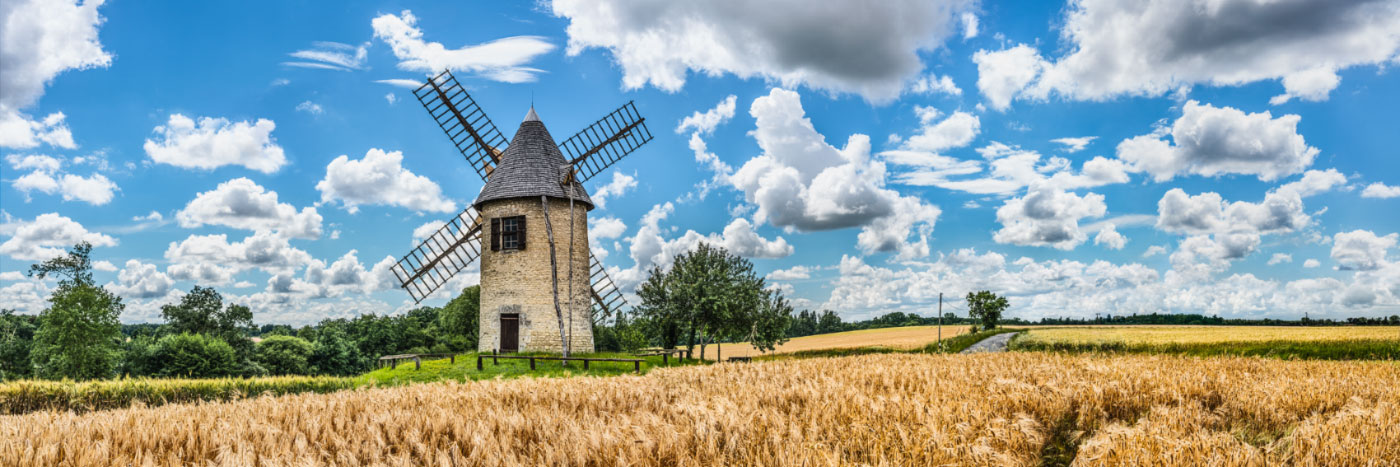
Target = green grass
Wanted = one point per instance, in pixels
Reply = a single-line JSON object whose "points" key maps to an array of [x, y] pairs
{"points": [[1357, 349], [465, 368], [953, 344]]}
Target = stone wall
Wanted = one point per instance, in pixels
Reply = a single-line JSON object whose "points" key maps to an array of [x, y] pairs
{"points": [[518, 281]]}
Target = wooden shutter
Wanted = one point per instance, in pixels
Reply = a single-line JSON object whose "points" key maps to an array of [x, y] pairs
{"points": [[520, 232], [496, 234]]}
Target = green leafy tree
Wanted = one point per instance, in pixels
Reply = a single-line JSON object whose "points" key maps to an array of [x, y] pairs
{"points": [[830, 322], [986, 307], [16, 340], [78, 333], [459, 319], [139, 356], [770, 322], [196, 356], [285, 355], [712, 294], [334, 353], [662, 313], [202, 311]]}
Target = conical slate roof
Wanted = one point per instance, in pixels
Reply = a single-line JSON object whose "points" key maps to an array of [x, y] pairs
{"points": [[531, 166]]}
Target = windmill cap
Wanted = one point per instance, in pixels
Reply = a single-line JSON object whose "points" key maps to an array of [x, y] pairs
{"points": [[532, 166]]}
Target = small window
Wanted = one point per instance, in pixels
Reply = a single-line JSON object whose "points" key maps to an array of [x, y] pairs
{"points": [[508, 233]]}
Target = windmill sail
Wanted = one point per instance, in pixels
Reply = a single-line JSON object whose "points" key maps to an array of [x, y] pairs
{"points": [[606, 141], [444, 254], [607, 300], [464, 122]]}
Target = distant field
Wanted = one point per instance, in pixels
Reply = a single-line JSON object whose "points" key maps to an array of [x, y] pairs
{"points": [[1333, 343], [1014, 409], [908, 337]]}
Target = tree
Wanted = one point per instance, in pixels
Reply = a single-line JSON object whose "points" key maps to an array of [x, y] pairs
{"points": [[830, 322], [458, 320], [139, 356], [285, 355], [16, 340], [711, 294], [770, 322], [202, 311], [78, 333], [334, 353], [986, 307], [661, 315], [196, 356]]}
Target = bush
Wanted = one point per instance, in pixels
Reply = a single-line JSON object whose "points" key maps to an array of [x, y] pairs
{"points": [[196, 356], [284, 355]]}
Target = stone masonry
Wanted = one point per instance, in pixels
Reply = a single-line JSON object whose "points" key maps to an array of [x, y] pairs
{"points": [[518, 281]]}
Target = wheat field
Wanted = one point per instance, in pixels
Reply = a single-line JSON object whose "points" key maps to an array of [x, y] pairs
{"points": [[892, 409], [907, 337], [1157, 335]]}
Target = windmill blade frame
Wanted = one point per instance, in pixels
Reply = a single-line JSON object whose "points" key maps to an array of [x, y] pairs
{"points": [[441, 256], [600, 145], [454, 110], [607, 299]]}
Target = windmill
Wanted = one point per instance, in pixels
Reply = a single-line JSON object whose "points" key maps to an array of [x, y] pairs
{"points": [[534, 192]]}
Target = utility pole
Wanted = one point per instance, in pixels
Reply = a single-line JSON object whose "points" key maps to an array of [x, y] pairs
{"points": [[940, 320]]}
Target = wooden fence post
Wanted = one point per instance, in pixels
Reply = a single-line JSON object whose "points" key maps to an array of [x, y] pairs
{"points": [[478, 362], [393, 364], [493, 357], [585, 365], [453, 358], [417, 363], [532, 363], [637, 367]]}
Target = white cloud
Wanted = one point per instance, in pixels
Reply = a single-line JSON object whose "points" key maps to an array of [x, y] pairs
{"points": [[380, 178], [1119, 48], [19, 131], [619, 185], [48, 178], [242, 204], [1109, 237], [403, 83], [35, 181], [311, 108], [141, 280], [1011, 169], [956, 131], [1211, 141], [1315, 182], [1154, 250], [1380, 190], [650, 248], [1280, 258], [792, 273], [1047, 217], [1311, 263], [215, 142], [47, 236], [96, 189], [331, 56], [10, 276], [935, 84], [103, 265], [36, 162], [1361, 249], [705, 123], [821, 45], [212, 259], [42, 39], [1281, 211], [969, 24], [391, 98], [606, 227], [1001, 75], [428, 228], [499, 60], [802, 183], [1073, 145]]}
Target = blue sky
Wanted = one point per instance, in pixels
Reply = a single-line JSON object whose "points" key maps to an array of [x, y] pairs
{"points": [[1100, 156]]}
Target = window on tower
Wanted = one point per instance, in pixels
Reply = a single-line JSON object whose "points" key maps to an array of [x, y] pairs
{"points": [[508, 233]]}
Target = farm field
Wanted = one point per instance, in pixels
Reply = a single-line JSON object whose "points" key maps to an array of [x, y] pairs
{"points": [[898, 409], [1330, 343], [908, 337]]}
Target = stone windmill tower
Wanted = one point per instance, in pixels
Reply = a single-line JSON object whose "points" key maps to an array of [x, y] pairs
{"points": [[541, 287]]}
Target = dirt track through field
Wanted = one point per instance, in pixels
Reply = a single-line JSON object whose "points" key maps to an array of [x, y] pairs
{"points": [[995, 343]]}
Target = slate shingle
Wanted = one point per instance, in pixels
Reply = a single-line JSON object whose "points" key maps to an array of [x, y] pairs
{"points": [[531, 166]]}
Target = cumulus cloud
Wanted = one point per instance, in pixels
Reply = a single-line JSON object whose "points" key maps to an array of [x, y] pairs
{"points": [[210, 143], [46, 177], [650, 248], [141, 280], [619, 186], [1073, 145], [47, 236], [1280, 258], [499, 60], [705, 123], [1361, 249], [1380, 190], [380, 179], [19, 131], [1047, 217], [1117, 48], [242, 204], [1001, 75], [42, 39], [1109, 237], [212, 259], [1154, 250], [311, 108], [1311, 263], [820, 45], [792, 273], [1212, 141], [802, 183], [935, 84], [1281, 211], [1315, 182]]}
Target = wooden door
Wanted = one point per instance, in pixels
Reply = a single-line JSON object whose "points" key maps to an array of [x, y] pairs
{"points": [[510, 333]]}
